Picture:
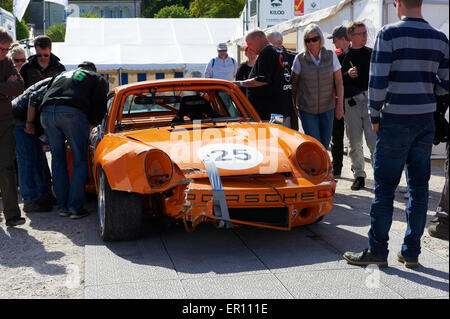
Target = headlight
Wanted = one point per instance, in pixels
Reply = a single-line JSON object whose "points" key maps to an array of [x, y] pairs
{"points": [[158, 169], [312, 160]]}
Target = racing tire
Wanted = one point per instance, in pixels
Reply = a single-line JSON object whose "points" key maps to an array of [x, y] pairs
{"points": [[120, 213]]}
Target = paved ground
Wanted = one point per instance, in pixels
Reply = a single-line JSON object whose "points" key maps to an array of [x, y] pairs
{"points": [[53, 257]]}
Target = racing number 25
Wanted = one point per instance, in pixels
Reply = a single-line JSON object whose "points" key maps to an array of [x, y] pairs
{"points": [[239, 154]]}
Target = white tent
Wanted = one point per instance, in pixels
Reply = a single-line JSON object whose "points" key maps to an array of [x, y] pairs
{"points": [[143, 44]]}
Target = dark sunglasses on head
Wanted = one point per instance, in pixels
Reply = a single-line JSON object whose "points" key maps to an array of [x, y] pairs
{"points": [[313, 39], [43, 55], [19, 60]]}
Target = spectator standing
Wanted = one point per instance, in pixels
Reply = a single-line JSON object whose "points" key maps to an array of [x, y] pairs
{"points": [[223, 66], [74, 100], [341, 42], [276, 39], [441, 229], [244, 69], [270, 81], [42, 65], [407, 57], [442, 134], [316, 71], [355, 63], [30, 156], [11, 84], [18, 56], [39, 67]]}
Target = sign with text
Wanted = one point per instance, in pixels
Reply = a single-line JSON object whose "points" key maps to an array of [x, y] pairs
{"points": [[299, 7]]}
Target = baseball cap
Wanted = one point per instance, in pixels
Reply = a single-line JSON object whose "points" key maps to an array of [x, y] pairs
{"points": [[338, 32], [87, 65], [222, 47]]}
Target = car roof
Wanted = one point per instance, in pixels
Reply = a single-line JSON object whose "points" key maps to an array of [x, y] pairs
{"points": [[177, 81]]}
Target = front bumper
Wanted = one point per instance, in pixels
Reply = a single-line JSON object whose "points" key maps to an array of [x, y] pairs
{"points": [[277, 202]]}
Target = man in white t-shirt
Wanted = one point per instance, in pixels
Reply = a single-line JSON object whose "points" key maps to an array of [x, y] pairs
{"points": [[223, 66]]}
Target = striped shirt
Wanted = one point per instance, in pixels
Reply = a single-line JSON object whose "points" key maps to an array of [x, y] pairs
{"points": [[407, 57]]}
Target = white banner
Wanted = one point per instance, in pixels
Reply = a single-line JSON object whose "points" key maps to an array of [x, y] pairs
{"points": [[64, 3], [19, 7]]}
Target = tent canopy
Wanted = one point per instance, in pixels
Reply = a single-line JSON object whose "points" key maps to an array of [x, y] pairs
{"points": [[143, 44]]}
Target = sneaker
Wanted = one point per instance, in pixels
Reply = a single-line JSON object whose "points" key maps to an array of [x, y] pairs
{"points": [[36, 207], [15, 221], [435, 220], [64, 213], [48, 200], [408, 264], [439, 231], [365, 258], [358, 183], [79, 213]]}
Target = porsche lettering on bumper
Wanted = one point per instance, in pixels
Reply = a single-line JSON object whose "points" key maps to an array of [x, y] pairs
{"points": [[256, 198]]}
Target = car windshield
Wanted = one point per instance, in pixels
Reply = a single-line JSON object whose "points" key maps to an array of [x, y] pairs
{"points": [[173, 107]]}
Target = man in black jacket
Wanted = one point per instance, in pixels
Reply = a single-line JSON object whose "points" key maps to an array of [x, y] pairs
{"points": [[74, 100], [275, 38], [39, 67], [42, 65]]}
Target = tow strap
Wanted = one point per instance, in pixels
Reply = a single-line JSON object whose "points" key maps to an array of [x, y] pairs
{"points": [[220, 207]]}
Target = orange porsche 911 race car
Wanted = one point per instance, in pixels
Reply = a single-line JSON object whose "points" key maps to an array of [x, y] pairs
{"points": [[197, 151]]}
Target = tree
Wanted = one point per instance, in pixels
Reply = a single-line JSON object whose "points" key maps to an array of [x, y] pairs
{"points": [[22, 31], [57, 32], [217, 8], [175, 11], [89, 15], [152, 7]]}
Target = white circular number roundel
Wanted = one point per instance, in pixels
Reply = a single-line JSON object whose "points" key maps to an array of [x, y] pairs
{"points": [[231, 156]]}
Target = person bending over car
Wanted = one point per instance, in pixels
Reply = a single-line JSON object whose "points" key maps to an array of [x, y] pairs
{"points": [[74, 100]]}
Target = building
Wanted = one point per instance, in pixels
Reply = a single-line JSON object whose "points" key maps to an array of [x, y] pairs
{"points": [[110, 8], [56, 14]]}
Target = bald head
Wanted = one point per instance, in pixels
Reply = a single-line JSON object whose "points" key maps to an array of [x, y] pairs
{"points": [[256, 41]]}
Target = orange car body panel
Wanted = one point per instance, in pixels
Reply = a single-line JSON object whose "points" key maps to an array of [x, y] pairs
{"points": [[277, 181]]}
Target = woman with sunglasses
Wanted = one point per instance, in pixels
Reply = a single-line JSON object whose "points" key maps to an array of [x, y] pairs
{"points": [[18, 55], [315, 73]]}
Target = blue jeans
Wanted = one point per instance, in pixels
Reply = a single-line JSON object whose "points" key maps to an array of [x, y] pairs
{"points": [[319, 126], [63, 123], [30, 160], [396, 146]]}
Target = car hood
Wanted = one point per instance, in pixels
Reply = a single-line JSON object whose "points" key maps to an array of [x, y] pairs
{"points": [[236, 149]]}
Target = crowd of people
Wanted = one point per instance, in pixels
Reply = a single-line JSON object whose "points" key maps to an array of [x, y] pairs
{"points": [[40, 101], [386, 95]]}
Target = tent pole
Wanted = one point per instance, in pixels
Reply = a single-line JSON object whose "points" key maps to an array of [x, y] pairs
{"points": [[43, 6]]}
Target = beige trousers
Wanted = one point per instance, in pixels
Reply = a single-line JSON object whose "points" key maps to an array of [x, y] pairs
{"points": [[357, 124]]}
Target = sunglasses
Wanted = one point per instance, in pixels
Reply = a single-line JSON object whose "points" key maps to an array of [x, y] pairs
{"points": [[5, 50], [313, 39], [19, 60], [361, 34], [43, 55]]}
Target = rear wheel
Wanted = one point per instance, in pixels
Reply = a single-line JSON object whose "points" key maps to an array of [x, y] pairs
{"points": [[120, 213]]}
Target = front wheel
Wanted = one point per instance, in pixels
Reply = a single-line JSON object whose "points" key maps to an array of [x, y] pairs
{"points": [[120, 213]]}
